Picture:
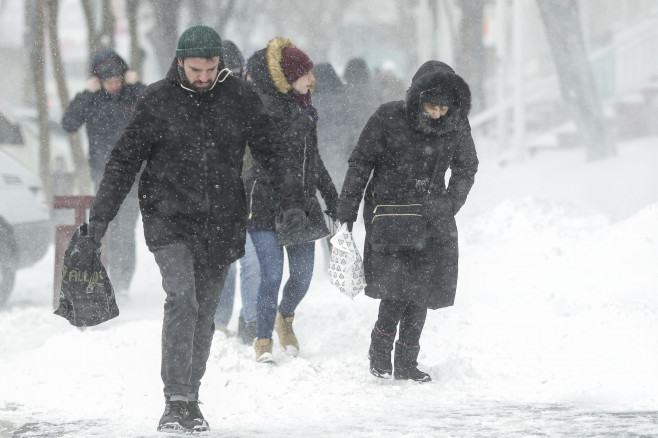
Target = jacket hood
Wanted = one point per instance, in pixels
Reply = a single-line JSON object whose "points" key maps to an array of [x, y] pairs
{"points": [[265, 70], [107, 63], [438, 77]]}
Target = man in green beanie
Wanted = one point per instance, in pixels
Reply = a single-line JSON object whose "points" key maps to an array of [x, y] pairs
{"points": [[191, 129]]}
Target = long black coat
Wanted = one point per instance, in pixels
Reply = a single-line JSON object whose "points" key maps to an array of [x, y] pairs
{"points": [[105, 117], [399, 146], [193, 145], [299, 133]]}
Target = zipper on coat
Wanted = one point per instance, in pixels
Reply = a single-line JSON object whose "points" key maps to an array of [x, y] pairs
{"points": [[393, 214], [304, 166], [396, 205], [206, 177], [251, 199]]}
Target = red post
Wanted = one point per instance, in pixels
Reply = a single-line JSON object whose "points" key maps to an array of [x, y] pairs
{"points": [[63, 233]]}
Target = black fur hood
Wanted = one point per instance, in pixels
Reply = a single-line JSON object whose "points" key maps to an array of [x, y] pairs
{"points": [[438, 75]]}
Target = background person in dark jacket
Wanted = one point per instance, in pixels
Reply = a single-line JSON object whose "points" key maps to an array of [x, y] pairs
{"points": [[362, 100], [330, 99], [105, 109], [401, 146], [191, 129], [283, 73], [249, 266]]}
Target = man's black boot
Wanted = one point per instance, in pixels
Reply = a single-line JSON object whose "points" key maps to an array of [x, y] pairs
{"points": [[195, 420], [174, 417]]}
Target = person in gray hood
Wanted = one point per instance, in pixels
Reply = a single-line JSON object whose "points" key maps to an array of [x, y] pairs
{"points": [[105, 108]]}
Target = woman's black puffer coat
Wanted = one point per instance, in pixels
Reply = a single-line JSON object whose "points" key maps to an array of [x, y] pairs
{"points": [[400, 147], [297, 131]]}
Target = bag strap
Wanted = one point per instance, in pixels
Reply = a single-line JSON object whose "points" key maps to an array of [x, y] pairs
{"points": [[435, 171]]}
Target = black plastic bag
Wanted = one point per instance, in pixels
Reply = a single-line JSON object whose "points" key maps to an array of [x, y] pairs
{"points": [[87, 297]]}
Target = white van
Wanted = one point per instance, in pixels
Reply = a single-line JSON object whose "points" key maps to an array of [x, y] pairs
{"points": [[26, 229]]}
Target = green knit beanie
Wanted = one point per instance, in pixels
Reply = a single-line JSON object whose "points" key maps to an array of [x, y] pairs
{"points": [[199, 42]]}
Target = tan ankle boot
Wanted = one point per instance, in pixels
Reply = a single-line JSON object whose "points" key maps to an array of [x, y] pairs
{"points": [[263, 348], [287, 337]]}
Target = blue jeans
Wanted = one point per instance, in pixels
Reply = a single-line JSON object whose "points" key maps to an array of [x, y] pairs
{"points": [[249, 281], [300, 262]]}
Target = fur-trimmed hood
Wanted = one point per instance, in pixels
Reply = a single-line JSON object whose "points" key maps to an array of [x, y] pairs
{"points": [[438, 75], [265, 70]]}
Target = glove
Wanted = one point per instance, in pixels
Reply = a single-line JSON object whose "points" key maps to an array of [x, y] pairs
{"points": [[96, 230], [293, 220], [311, 113], [332, 210]]}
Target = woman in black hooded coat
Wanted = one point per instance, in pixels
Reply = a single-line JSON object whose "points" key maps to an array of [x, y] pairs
{"points": [[277, 71], [407, 146]]}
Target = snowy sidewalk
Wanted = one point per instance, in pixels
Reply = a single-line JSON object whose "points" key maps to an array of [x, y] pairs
{"points": [[553, 334]]}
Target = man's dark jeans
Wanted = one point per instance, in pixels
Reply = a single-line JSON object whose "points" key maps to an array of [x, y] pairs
{"points": [[193, 291]]}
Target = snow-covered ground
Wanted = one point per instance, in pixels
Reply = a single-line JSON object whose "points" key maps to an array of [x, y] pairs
{"points": [[553, 332]]}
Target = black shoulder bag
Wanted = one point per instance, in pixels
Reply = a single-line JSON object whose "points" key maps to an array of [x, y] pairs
{"points": [[402, 226]]}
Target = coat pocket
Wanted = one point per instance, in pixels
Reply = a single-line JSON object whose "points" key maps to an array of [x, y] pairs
{"points": [[396, 227]]}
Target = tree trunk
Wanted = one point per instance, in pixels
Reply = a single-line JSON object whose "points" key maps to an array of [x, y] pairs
{"points": [[80, 165], [565, 37], [165, 32], [105, 37], [225, 15], [107, 27], [470, 55], [93, 41], [198, 12], [407, 34], [136, 52], [37, 65]]}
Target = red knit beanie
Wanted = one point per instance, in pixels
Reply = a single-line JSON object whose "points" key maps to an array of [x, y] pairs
{"points": [[295, 63]]}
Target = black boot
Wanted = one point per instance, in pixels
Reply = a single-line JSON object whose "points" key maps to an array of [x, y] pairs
{"points": [[195, 420], [405, 363], [379, 354], [174, 417], [247, 331]]}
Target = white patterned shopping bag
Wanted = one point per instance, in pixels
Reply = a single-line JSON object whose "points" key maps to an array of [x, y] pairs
{"points": [[346, 264]]}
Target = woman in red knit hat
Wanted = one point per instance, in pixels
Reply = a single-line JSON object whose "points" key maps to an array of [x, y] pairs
{"points": [[283, 75]]}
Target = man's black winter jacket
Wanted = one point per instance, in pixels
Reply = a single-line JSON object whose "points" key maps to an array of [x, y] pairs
{"points": [[193, 144]]}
